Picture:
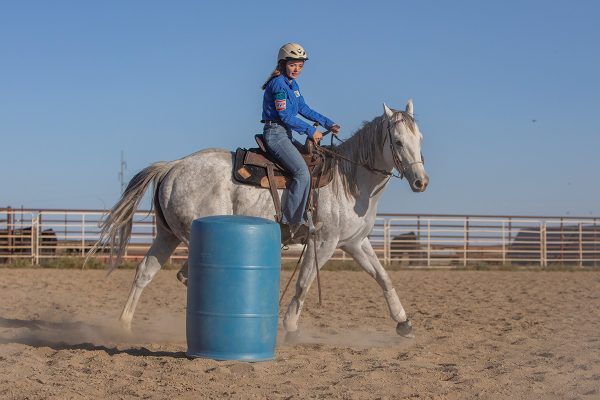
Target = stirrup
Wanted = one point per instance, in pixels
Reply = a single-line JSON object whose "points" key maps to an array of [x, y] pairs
{"points": [[292, 233], [313, 227]]}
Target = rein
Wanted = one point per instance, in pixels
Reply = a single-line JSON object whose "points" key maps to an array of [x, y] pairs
{"points": [[400, 167]]}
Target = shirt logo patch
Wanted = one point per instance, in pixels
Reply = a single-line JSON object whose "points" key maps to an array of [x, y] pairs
{"points": [[280, 105], [297, 93], [280, 96]]}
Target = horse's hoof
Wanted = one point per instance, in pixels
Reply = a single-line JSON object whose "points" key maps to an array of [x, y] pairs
{"points": [[292, 337], [182, 278], [125, 327], [405, 329]]}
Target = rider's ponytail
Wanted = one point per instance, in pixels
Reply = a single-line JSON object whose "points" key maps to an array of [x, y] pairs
{"points": [[280, 69]]}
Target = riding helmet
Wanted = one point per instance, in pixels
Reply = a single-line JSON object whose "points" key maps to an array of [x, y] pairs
{"points": [[292, 51]]}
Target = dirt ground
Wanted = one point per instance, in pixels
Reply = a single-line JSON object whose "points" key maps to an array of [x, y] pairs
{"points": [[491, 335]]}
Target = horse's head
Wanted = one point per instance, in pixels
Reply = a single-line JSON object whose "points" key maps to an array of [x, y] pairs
{"points": [[405, 140]]}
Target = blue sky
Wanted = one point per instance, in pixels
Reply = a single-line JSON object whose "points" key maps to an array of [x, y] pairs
{"points": [[507, 94]]}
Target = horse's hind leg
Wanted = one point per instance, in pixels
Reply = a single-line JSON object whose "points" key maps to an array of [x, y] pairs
{"points": [[163, 246], [365, 256], [182, 274]]}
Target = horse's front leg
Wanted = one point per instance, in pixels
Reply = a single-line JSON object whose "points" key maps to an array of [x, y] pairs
{"points": [[308, 272], [365, 256]]}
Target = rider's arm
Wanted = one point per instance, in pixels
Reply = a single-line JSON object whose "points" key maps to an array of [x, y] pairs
{"points": [[288, 118], [312, 115]]}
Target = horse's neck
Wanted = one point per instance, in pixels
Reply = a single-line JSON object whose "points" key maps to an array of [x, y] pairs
{"points": [[367, 145], [366, 148]]}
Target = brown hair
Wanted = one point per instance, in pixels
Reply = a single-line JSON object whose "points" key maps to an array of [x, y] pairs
{"points": [[279, 69]]}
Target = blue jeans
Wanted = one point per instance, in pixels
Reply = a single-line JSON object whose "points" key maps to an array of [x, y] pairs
{"points": [[280, 144]]}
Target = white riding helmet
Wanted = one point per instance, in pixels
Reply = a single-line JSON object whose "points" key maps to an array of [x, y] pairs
{"points": [[292, 51]]}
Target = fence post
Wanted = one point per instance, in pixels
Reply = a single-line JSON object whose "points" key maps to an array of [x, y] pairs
{"points": [[503, 243], [510, 235], [562, 256], [9, 231], [82, 235], [429, 242], [580, 245], [35, 241], [595, 240], [465, 241], [386, 242], [40, 223], [543, 255]]}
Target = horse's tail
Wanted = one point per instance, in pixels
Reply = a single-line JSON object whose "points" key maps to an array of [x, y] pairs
{"points": [[116, 227]]}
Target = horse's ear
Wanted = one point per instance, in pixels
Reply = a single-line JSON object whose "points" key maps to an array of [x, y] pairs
{"points": [[409, 107], [387, 111]]}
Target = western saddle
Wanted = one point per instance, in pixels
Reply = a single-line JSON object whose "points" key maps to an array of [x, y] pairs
{"points": [[257, 167]]}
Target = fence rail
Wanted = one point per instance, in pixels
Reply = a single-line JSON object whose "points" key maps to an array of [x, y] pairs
{"points": [[412, 240]]}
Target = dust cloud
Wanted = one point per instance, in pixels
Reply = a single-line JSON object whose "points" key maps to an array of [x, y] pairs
{"points": [[94, 331], [352, 337]]}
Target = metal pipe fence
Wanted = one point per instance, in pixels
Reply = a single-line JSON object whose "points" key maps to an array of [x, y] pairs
{"points": [[402, 239]]}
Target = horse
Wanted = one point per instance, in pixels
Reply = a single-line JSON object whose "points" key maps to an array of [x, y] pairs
{"points": [[405, 244], [201, 184], [21, 242]]}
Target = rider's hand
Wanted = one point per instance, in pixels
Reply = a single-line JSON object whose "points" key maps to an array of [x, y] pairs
{"points": [[317, 136], [335, 129]]}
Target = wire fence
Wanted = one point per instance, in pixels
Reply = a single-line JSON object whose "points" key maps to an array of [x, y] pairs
{"points": [[407, 239]]}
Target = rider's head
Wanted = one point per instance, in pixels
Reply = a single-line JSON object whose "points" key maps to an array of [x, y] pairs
{"points": [[292, 56], [290, 61]]}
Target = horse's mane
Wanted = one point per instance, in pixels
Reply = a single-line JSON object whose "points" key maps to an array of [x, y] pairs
{"points": [[365, 147]]}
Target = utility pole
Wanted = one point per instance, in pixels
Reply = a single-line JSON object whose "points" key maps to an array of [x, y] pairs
{"points": [[122, 173]]}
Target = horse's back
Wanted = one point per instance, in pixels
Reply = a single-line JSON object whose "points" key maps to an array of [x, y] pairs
{"points": [[202, 184]]}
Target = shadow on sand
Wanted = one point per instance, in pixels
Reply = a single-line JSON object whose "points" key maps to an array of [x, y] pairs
{"points": [[74, 336]]}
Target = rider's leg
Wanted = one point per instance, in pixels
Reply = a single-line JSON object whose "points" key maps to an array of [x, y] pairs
{"points": [[279, 144]]}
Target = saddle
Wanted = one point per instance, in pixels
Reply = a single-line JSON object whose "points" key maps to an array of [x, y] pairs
{"points": [[256, 167]]}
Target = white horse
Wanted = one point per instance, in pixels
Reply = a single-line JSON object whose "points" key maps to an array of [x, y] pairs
{"points": [[201, 184]]}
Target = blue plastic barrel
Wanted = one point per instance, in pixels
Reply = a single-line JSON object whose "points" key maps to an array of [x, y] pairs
{"points": [[233, 288]]}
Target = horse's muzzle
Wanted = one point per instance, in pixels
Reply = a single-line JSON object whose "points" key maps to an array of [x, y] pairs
{"points": [[419, 184]]}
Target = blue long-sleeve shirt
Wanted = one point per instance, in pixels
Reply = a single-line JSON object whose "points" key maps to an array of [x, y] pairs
{"points": [[282, 101]]}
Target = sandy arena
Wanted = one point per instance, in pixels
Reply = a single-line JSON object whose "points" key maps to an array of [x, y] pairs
{"points": [[521, 335]]}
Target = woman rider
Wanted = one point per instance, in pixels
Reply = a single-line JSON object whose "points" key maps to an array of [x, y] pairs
{"points": [[282, 101]]}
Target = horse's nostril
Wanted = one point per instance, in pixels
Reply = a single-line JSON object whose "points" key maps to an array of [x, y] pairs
{"points": [[418, 184]]}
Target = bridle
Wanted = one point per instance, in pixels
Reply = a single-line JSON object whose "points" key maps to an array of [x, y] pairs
{"points": [[400, 167], [398, 164]]}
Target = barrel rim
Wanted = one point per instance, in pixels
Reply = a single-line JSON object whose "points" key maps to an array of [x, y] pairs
{"points": [[241, 219]]}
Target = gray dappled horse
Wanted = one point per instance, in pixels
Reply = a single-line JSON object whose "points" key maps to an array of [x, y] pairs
{"points": [[201, 184]]}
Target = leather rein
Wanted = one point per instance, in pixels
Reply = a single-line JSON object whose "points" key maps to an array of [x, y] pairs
{"points": [[400, 167]]}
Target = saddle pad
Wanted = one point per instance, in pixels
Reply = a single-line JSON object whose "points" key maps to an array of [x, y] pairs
{"points": [[249, 168], [254, 175]]}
